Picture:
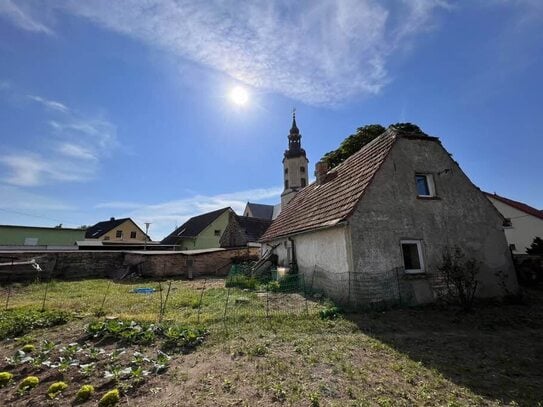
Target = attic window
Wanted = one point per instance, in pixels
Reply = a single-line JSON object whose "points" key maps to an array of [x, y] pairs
{"points": [[217, 232], [132, 235], [507, 223], [119, 234], [412, 256], [425, 185]]}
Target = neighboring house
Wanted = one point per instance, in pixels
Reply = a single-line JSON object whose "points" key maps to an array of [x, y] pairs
{"points": [[220, 228], [33, 236], [117, 230], [262, 211], [522, 222], [375, 227]]}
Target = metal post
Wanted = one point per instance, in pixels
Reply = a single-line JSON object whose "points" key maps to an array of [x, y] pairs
{"points": [[146, 234]]}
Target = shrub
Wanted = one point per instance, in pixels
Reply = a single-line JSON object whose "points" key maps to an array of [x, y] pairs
{"points": [[84, 393], [111, 398], [19, 322], [5, 378], [29, 383], [330, 312], [55, 389], [460, 276]]}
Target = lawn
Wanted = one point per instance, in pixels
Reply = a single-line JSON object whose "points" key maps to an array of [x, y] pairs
{"points": [[276, 350]]}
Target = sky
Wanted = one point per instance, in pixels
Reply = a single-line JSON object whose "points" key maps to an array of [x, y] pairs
{"points": [[123, 108]]}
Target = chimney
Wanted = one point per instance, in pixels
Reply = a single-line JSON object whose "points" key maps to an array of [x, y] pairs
{"points": [[111, 219], [321, 168]]}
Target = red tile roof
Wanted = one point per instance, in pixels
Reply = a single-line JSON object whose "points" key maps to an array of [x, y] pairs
{"points": [[326, 204], [517, 205]]}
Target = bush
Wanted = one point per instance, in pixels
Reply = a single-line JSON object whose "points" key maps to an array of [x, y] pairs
{"points": [[84, 393], [55, 389], [111, 398], [330, 312], [460, 276], [19, 322], [5, 378]]}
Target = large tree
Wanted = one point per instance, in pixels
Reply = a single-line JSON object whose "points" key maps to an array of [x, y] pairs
{"points": [[536, 247], [363, 136]]}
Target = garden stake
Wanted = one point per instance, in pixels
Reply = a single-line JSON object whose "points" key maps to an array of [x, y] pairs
{"points": [[160, 307], [226, 306], [163, 310], [45, 294], [201, 297], [9, 286], [104, 299]]}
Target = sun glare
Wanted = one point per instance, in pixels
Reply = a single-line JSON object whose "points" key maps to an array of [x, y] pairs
{"points": [[239, 96]]}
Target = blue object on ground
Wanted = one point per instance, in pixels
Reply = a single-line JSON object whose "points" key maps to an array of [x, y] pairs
{"points": [[143, 290]]}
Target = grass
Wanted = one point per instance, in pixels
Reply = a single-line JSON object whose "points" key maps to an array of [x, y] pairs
{"points": [[279, 350]]}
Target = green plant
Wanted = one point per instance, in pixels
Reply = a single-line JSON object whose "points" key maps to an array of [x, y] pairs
{"points": [[84, 393], [111, 398], [314, 399], [19, 322], [330, 312], [29, 383], [28, 348], [5, 378], [55, 389], [242, 281]]}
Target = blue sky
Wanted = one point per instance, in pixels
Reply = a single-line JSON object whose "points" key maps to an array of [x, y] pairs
{"points": [[122, 108]]}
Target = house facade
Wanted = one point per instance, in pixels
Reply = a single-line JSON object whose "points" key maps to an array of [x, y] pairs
{"points": [[12, 236], [374, 229], [116, 230], [522, 223]]}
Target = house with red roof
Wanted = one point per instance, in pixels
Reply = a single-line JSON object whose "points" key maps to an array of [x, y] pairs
{"points": [[522, 222], [375, 228]]}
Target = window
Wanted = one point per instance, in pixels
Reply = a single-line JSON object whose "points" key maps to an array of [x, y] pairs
{"points": [[507, 223], [425, 185], [217, 232], [412, 256], [512, 247], [302, 170], [286, 171], [286, 184], [31, 241], [303, 182], [106, 237], [132, 235], [119, 234]]}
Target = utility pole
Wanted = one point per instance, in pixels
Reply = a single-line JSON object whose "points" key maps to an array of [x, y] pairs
{"points": [[146, 234]]}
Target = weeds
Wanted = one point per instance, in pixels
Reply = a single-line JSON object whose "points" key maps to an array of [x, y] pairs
{"points": [[19, 322]]}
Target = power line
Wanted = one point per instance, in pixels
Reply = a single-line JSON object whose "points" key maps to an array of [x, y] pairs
{"points": [[35, 216]]}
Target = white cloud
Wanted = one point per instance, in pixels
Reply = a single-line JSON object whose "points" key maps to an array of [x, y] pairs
{"points": [[51, 104], [21, 17], [320, 52], [73, 152], [166, 215]]}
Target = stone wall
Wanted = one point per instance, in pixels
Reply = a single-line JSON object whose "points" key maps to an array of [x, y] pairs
{"points": [[114, 264]]}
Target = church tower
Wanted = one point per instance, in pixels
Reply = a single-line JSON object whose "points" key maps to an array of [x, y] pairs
{"points": [[294, 165]]}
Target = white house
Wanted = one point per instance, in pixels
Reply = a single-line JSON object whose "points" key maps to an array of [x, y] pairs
{"points": [[522, 222]]}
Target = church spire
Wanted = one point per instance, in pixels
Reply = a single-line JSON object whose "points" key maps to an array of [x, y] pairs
{"points": [[294, 128], [294, 140]]}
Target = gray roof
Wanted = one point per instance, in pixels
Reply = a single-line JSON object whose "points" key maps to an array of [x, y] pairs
{"points": [[261, 211]]}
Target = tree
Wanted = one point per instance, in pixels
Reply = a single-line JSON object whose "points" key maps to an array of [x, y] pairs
{"points": [[353, 143], [536, 247], [363, 136]]}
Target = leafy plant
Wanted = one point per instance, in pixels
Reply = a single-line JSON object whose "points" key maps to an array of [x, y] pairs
{"points": [[28, 348], [28, 383], [5, 378], [19, 322], [330, 312], [55, 389], [84, 393], [242, 281], [111, 398]]}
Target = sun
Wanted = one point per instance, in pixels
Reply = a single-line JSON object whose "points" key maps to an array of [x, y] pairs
{"points": [[239, 96]]}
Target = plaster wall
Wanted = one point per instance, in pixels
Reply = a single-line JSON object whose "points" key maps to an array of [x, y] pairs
{"points": [[127, 227], [207, 239], [460, 215], [524, 227]]}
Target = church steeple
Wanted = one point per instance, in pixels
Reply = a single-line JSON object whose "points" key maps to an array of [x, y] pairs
{"points": [[294, 164]]}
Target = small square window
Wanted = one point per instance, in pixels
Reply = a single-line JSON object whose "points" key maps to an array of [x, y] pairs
{"points": [[412, 256], [512, 247], [286, 171], [132, 235], [507, 223], [425, 185], [106, 237], [119, 234], [217, 232], [302, 170]]}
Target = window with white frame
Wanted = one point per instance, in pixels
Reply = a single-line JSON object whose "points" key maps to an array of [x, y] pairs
{"points": [[412, 256], [425, 185]]}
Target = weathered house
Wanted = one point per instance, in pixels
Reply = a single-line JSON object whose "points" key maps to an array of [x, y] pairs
{"points": [[522, 222], [222, 228], [374, 229], [116, 230]]}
